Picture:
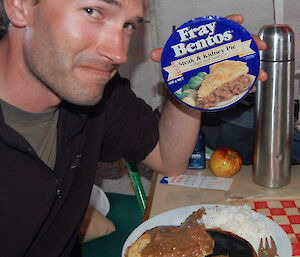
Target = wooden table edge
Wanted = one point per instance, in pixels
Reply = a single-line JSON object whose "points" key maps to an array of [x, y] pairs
{"points": [[150, 196]]}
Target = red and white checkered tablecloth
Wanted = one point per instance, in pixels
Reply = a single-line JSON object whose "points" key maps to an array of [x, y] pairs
{"points": [[286, 213]]}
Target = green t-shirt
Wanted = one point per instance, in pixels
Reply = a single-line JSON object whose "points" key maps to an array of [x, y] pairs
{"points": [[39, 129]]}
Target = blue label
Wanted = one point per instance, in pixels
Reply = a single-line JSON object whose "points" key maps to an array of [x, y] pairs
{"points": [[210, 63], [197, 160]]}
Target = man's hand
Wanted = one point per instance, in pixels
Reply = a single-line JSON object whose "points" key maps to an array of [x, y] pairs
{"points": [[261, 45], [157, 52]]}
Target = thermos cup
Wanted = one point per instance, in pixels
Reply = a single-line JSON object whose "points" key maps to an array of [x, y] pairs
{"points": [[274, 108]]}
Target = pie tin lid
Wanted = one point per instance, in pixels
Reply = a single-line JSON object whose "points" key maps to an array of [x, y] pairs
{"points": [[210, 63]]}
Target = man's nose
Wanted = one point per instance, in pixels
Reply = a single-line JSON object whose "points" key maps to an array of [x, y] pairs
{"points": [[114, 47]]}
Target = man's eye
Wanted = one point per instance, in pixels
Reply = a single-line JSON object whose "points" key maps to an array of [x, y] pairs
{"points": [[130, 27], [92, 12]]}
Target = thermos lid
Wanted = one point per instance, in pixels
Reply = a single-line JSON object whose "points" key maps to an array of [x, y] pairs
{"points": [[280, 40]]}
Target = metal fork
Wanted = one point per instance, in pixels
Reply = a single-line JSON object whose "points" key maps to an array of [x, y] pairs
{"points": [[267, 250]]}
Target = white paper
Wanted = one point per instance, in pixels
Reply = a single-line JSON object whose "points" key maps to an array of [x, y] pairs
{"points": [[199, 182]]}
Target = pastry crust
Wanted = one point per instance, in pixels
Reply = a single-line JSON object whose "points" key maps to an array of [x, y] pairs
{"points": [[225, 80], [135, 250]]}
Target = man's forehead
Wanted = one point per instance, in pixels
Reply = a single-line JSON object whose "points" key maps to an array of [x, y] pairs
{"points": [[121, 3], [113, 2], [137, 5]]}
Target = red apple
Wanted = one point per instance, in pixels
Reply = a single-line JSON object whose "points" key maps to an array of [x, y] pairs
{"points": [[225, 162]]}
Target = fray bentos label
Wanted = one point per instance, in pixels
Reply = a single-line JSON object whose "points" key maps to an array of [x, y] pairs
{"points": [[210, 63]]}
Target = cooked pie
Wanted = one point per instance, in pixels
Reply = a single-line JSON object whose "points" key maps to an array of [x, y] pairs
{"points": [[225, 80]]}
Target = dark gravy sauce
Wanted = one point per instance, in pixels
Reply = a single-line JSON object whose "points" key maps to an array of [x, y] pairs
{"points": [[229, 244]]}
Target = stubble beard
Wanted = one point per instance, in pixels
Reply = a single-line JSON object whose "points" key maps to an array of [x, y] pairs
{"points": [[61, 80]]}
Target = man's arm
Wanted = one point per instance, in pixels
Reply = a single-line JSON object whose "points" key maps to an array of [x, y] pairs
{"points": [[178, 131], [179, 127]]}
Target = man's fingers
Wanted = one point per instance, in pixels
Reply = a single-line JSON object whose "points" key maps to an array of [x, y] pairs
{"points": [[262, 45], [236, 17], [240, 19], [262, 75], [156, 54]]}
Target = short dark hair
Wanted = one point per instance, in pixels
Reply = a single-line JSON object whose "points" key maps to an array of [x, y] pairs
{"points": [[3, 19]]}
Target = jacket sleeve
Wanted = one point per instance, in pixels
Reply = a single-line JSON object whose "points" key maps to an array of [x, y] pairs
{"points": [[131, 126]]}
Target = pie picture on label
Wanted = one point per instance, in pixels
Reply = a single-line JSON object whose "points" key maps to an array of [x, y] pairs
{"points": [[225, 80]]}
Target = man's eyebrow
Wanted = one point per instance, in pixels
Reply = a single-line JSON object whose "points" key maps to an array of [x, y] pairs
{"points": [[112, 2], [119, 5], [140, 19]]}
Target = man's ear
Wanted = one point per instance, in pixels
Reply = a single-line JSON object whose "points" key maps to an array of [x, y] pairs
{"points": [[17, 11]]}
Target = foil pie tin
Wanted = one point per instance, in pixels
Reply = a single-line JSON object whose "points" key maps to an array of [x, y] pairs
{"points": [[210, 63]]}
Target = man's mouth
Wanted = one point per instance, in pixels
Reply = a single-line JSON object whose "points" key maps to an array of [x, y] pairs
{"points": [[97, 70]]}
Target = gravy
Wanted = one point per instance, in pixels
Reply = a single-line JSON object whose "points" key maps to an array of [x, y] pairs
{"points": [[187, 240]]}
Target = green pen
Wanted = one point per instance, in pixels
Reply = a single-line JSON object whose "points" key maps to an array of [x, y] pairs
{"points": [[137, 187]]}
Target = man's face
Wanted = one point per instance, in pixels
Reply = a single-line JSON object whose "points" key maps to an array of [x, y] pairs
{"points": [[75, 46]]}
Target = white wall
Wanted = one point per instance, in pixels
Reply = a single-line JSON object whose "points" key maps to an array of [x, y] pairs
{"points": [[163, 14], [291, 10]]}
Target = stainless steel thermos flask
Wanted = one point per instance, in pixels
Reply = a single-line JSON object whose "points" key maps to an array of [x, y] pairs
{"points": [[274, 108]]}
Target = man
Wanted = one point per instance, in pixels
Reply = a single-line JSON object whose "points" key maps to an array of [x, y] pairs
{"points": [[62, 106]]}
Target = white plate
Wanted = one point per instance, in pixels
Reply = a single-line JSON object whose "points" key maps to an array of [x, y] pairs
{"points": [[99, 200], [176, 216]]}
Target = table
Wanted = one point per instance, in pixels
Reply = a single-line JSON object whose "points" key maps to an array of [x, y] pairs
{"points": [[280, 204]]}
